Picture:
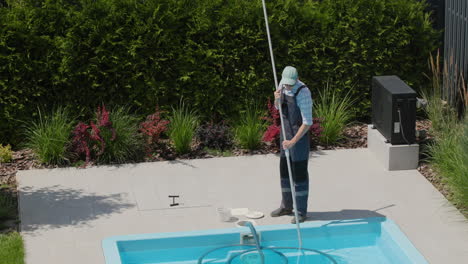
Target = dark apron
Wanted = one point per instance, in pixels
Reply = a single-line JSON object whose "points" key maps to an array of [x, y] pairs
{"points": [[299, 156]]}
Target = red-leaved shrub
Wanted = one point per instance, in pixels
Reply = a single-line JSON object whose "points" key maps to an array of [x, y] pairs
{"points": [[272, 134], [87, 139], [315, 131], [81, 137], [273, 131], [152, 128]]}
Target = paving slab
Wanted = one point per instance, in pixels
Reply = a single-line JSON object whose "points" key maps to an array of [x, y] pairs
{"points": [[66, 213]]}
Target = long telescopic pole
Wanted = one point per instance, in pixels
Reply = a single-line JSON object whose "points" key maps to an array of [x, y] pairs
{"points": [[291, 181]]}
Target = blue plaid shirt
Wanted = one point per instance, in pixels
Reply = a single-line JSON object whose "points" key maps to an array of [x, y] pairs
{"points": [[303, 99]]}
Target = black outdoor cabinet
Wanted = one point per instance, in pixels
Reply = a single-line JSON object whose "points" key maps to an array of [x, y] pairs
{"points": [[390, 94]]}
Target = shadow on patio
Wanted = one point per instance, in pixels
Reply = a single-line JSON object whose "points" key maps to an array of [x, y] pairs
{"points": [[56, 207]]}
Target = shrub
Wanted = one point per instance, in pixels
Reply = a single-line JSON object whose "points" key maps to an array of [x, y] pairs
{"points": [[82, 140], [449, 152], [248, 132], [182, 127], [82, 52], [215, 136], [111, 137], [335, 111], [49, 136], [316, 131], [449, 156], [272, 134], [461, 177], [6, 155], [153, 127], [443, 117], [123, 142]]}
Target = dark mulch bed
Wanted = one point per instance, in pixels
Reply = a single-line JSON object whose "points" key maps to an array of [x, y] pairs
{"points": [[425, 167], [428, 172], [22, 160], [355, 136]]}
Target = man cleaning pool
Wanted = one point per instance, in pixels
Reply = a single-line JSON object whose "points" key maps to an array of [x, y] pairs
{"points": [[295, 101]]}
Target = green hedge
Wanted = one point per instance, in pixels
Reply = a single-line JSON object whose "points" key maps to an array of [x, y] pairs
{"points": [[213, 53]]}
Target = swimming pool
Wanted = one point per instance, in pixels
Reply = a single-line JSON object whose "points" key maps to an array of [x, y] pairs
{"points": [[363, 241]]}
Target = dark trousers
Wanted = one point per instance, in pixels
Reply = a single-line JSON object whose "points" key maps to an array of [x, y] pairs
{"points": [[300, 176]]}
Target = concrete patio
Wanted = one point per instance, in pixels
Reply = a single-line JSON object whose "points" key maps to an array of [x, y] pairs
{"points": [[66, 213]]}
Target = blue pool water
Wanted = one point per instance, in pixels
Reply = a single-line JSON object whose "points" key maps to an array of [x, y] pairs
{"points": [[360, 241]]}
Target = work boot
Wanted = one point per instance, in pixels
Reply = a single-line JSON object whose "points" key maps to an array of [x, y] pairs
{"points": [[281, 212], [302, 218]]}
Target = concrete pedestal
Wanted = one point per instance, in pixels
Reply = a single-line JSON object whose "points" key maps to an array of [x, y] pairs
{"points": [[393, 157]]}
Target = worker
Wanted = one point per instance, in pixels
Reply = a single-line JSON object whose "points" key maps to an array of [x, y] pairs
{"points": [[295, 100]]}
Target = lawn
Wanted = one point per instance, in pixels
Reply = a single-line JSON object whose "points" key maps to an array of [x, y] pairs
{"points": [[11, 249]]}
